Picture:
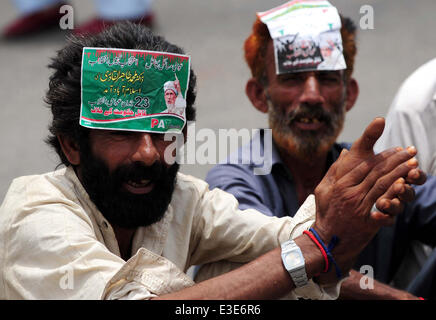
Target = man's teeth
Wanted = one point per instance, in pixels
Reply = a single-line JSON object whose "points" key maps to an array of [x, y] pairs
{"points": [[139, 184], [309, 120]]}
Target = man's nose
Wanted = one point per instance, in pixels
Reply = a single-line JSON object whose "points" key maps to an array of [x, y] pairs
{"points": [[145, 150], [311, 91]]}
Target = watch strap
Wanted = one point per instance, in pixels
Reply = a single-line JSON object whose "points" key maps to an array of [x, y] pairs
{"points": [[298, 272]]}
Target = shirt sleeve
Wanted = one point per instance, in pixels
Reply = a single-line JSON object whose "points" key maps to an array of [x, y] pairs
{"points": [[144, 276], [409, 124], [223, 232], [235, 180]]}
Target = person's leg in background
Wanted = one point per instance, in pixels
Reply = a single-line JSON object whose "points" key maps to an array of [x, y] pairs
{"points": [[34, 16]]}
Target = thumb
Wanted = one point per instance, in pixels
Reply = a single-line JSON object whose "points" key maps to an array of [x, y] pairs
{"points": [[365, 144]]}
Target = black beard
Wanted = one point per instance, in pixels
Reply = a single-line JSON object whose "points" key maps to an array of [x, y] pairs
{"points": [[122, 208]]}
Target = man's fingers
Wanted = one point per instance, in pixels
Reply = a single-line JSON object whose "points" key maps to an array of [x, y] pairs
{"points": [[339, 164], [362, 148], [393, 201], [389, 164], [391, 207], [408, 193], [359, 171], [381, 219], [382, 184], [384, 203], [374, 167], [416, 176], [365, 144], [399, 192]]}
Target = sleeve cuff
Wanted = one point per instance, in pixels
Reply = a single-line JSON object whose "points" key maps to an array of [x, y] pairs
{"points": [[304, 218], [144, 276]]}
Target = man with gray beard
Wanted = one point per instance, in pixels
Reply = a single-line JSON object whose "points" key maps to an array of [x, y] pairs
{"points": [[306, 111]]}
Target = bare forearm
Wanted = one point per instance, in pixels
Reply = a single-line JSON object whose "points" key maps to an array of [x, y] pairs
{"points": [[263, 278], [351, 290]]}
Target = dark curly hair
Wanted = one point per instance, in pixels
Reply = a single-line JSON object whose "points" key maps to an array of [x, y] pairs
{"points": [[63, 96]]}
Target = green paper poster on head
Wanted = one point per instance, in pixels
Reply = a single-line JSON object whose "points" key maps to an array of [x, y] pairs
{"points": [[134, 90]]}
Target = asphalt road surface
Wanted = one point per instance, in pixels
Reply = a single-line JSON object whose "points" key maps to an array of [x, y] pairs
{"points": [[212, 32]]}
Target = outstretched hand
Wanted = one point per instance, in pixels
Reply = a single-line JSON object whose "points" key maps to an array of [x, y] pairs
{"points": [[354, 183], [392, 202]]}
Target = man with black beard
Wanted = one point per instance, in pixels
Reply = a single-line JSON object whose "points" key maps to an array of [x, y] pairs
{"points": [[306, 113], [119, 221], [121, 207]]}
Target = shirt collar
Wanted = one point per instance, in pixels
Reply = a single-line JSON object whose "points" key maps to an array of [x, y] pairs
{"points": [[332, 155], [257, 158]]}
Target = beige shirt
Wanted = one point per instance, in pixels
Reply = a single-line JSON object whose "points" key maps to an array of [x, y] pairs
{"points": [[55, 244]]}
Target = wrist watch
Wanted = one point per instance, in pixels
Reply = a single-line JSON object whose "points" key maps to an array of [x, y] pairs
{"points": [[293, 261]]}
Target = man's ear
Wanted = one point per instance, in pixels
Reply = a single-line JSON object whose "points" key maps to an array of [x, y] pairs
{"points": [[352, 93], [255, 91], [70, 149]]}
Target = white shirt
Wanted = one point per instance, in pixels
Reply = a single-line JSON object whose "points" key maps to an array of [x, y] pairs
{"points": [[411, 121], [55, 243]]}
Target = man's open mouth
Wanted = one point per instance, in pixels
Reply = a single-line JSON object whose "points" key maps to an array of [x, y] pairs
{"points": [[309, 122], [138, 187]]}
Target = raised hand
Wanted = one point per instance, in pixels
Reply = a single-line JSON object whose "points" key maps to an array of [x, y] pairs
{"points": [[356, 181]]}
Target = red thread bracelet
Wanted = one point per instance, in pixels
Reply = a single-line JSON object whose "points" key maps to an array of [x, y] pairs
{"points": [[324, 254]]}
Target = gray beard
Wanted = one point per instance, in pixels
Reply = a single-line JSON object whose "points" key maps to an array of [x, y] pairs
{"points": [[307, 144]]}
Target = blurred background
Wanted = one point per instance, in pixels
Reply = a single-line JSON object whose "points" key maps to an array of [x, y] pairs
{"points": [[212, 32]]}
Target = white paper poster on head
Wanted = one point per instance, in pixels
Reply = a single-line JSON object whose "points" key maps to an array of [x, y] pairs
{"points": [[306, 36]]}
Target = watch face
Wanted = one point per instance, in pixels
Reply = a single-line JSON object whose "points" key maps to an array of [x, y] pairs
{"points": [[293, 259]]}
